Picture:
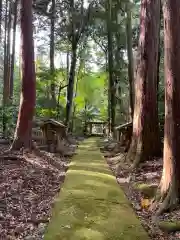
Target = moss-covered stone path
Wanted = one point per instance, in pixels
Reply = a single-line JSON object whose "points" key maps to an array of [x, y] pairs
{"points": [[91, 205]]}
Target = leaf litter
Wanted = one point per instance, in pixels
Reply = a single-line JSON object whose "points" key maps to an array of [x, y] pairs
{"points": [[28, 187]]}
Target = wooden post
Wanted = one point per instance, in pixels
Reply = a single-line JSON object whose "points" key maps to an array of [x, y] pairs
{"points": [[90, 128]]}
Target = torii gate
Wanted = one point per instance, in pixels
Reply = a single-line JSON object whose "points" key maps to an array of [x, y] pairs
{"points": [[96, 128]]}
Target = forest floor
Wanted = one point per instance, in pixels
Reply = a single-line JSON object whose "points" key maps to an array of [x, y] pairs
{"points": [[28, 186], [91, 205], [140, 187]]}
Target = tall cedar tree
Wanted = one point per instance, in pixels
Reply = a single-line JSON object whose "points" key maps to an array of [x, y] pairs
{"points": [[170, 182], [13, 48], [52, 68], [8, 57], [130, 56], [146, 139], [22, 137], [72, 72], [110, 66], [6, 67], [5, 85]]}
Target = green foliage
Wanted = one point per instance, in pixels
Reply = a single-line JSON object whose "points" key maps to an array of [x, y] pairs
{"points": [[8, 117], [91, 88], [91, 93]]}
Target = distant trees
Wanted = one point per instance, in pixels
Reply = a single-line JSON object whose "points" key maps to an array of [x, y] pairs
{"points": [[78, 22], [9, 19]]}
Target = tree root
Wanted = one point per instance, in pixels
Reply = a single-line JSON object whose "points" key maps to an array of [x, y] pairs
{"points": [[11, 157], [165, 202], [169, 203], [130, 155]]}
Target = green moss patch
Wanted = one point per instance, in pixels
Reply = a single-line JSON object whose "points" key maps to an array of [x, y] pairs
{"points": [[147, 190], [91, 206], [169, 226]]}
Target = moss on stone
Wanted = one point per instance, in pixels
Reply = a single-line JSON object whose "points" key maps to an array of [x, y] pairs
{"points": [[147, 190]]}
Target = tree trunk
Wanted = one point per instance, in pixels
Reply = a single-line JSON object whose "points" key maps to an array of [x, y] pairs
{"points": [[79, 76], [159, 53], [118, 67], [70, 88], [75, 94], [5, 84], [85, 117], [5, 90], [110, 67], [0, 18], [52, 68], [23, 133], [170, 181], [130, 57], [9, 49], [67, 61], [13, 49], [72, 72], [146, 138], [109, 100]]}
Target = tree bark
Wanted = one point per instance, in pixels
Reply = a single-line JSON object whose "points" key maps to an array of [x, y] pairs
{"points": [[72, 72], [75, 105], [110, 67], [5, 89], [109, 101], [13, 49], [170, 181], [159, 52], [23, 132], [9, 51], [79, 76], [52, 68], [0, 19], [130, 57], [118, 66], [5, 79], [146, 138], [67, 61], [70, 88]]}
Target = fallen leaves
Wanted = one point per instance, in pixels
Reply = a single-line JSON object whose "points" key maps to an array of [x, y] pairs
{"points": [[145, 203], [28, 185]]}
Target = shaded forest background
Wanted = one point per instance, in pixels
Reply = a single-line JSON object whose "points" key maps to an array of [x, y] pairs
{"points": [[75, 48]]}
